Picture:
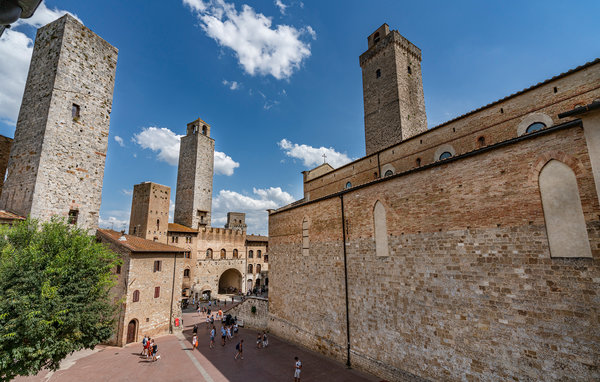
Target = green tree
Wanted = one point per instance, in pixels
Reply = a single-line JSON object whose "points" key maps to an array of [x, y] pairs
{"points": [[55, 282]]}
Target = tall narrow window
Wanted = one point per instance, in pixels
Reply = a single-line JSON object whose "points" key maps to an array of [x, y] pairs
{"points": [[73, 215], [118, 270], [158, 224], [75, 110], [209, 253], [418, 162], [258, 254], [249, 268], [378, 73], [235, 253], [380, 225], [186, 273], [565, 223], [257, 268], [266, 258], [223, 253], [156, 292], [250, 254], [157, 266], [136, 296], [305, 241]]}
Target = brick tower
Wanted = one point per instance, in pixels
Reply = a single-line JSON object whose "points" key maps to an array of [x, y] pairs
{"points": [[150, 211], [56, 165], [195, 176], [392, 90]]}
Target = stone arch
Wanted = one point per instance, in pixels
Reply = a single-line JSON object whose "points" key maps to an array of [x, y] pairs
{"points": [[387, 167], [442, 149], [230, 281], [563, 214], [380, 229], [132, 329], [532, 118]]}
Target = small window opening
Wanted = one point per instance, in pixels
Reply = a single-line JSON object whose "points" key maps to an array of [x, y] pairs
{"points": [[445, 155], [250, 254], [73, 215], [157, 224], [75, 111], [481, 141], [223, 253], [156, 292], [136, 296], [501, 111], [536, 126], [376, 38], [249, 268], [157, 266], [388, 173], [266, 257], [134, 230], [203, 130], [118, 270], [378, 73], [258, 254], [555, 89], [348, 185], [409, 69], [418, 162], [186, 273]]}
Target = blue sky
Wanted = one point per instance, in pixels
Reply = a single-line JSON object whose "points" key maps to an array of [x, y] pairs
{"points": [[279, 80]]}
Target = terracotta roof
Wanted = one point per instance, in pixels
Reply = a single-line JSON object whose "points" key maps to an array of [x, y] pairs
{"points": [[180, 228], [5, 215], [137, 244], [257, 238]]}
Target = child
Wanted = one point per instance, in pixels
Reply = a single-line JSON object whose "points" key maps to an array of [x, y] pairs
{"points": [[194, 342]]}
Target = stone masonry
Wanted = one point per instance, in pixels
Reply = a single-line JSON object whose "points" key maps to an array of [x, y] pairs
{"points": [[195, 176], [5, 145], [150, 211], [56, 166], [392, 90]]}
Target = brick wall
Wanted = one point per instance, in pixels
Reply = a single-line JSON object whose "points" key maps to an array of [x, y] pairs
{"points": [[468, 291]]}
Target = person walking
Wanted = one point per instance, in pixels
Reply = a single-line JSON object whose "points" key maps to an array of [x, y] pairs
{"points": [[258, 340], [240, 349], [144, 341], [148, 348], [223, 335], [265, 340], [194, 342], [195, 330], [212, 338], [155, 355], [298, 368]]}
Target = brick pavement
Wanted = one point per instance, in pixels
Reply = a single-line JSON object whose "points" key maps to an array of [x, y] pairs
{"points": [[179, 363]]}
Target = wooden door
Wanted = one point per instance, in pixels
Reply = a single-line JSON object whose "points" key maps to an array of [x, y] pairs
{"points": [[131, 329]]}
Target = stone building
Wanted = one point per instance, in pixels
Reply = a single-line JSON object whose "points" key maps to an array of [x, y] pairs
{"points": [[147, 284], [149, 217], [469, 251], [258, 261], [5, 145], [56, 164]]}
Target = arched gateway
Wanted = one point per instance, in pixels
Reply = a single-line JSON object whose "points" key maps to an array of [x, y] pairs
{"points": [[230, 281]]}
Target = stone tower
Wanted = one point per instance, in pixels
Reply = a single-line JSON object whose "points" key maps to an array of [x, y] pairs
{"points": [[195, 176], [236, 220], [150, 211], [56, 165], [392, 90]]}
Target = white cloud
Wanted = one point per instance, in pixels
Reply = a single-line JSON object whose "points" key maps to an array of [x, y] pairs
{"points": [[116, 219], [312, 156], [281, 6], [259, 47], [127, 192], [233, 85], [16, 49], [119, 140], [254, 207], [166, 143]]}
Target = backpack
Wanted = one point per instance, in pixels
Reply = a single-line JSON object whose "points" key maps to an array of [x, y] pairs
{"points": [[237, 347]]}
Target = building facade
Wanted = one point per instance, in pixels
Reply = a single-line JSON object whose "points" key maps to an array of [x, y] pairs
{"points": [[258, 262], [465, 252], [56, 164]]}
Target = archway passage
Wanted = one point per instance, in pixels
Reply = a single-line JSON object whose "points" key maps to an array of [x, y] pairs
{"points": [[230, 281], [131, 331]]}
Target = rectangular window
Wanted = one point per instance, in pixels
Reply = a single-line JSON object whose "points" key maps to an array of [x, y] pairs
{"points": [[186, 255], [73, 214], [118, 271], [156, 292], [266, 258], [75, 111], [157, 266]]}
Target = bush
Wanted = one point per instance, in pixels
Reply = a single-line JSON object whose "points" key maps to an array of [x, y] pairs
{"points": [[253, 309]]}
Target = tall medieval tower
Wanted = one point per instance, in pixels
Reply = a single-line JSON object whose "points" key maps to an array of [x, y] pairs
{"points": [[56, 164], [195, 176], [149, 217], [392, 90]]}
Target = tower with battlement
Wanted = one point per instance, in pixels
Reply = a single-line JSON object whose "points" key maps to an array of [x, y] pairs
{"points": [[150, 211], [236, 220], [392, 90], [195, 176], [56, 164]]}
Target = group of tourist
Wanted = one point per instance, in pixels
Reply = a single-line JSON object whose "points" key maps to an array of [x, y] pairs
{"points": [[150, 349]]}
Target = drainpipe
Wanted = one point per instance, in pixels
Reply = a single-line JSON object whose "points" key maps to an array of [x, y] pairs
{"points": [[172, 294], [378, 166], [346, 284]]}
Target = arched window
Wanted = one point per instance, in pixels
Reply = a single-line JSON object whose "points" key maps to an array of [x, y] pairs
{"points": [[249, 268], [204, 129], [209, 254], [250, 254], [388, 173], [258, 254], [186, 273], [565, 223], [445, 155], [376, 38], [305, 237], [136, 295], [380, 228], [235, 253], [257, 268], [348, 185], [481, 141], [535, 127], [223, 253]]}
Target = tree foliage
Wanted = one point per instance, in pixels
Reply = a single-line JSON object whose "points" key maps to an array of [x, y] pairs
{"points": [[54, 295]]}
